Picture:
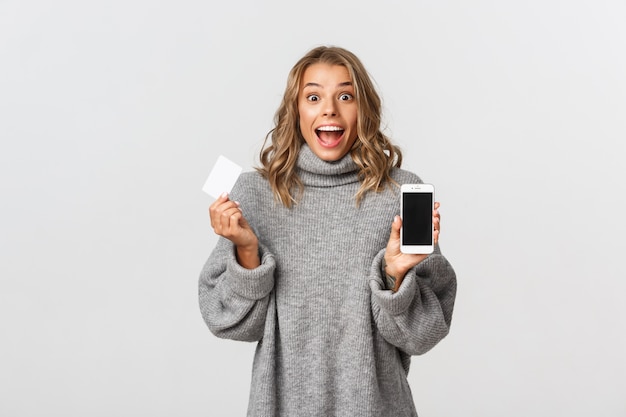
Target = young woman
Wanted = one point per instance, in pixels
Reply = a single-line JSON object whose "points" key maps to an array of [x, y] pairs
{"points": [[308, 263]]}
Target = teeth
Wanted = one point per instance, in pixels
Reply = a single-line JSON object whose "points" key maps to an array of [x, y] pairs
{"points": [[329, 128]]}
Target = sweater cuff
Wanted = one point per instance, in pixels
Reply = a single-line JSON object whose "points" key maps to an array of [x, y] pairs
{"points": [[253, 284], [393, 303]]}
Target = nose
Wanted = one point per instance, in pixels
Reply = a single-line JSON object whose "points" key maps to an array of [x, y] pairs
{"points": [[330, 108]]}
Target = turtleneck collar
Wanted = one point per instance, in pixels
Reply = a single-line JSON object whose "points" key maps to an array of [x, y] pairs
{"points": [[316, 172]]}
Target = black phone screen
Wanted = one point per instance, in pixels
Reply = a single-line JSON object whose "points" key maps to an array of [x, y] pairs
{"points": [[417, 218]]}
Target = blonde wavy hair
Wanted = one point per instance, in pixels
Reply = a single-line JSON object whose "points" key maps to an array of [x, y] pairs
{"points": [[372, 151]]}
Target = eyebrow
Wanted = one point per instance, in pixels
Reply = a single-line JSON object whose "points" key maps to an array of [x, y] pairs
{"points": [[344, 84]]}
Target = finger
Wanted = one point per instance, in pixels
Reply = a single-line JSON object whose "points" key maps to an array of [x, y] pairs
{"points": [[220, 200], [217, 203], [436, 216], [437, 224], [217, 209], [395, 228], [436, 210], [229, 220]]}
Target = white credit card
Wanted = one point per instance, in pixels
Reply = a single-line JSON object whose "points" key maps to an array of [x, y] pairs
{"points": [[222, 177]]}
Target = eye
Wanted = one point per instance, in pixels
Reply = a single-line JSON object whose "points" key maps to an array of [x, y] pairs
{"points": [[313, 97], [345, 97]]}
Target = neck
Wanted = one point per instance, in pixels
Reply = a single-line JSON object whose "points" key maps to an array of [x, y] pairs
{"points": [[316, 172]]}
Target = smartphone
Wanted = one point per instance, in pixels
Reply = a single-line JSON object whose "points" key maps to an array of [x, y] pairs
{"points": [[416, 209]]}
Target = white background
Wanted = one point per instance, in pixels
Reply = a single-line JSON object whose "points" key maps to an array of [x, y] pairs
{"points": [[113, 112]]}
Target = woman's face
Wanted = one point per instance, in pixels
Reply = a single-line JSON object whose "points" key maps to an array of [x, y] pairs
{"points": [[328, 110]]}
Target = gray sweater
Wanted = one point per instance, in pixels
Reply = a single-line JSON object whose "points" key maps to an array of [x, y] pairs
{"points": [[331, 340]]}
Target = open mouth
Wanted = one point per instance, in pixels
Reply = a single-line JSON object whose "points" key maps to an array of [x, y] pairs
{"points": [[329, 135]]}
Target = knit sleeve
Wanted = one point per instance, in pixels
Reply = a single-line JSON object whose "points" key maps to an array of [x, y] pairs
{"points": [[418, 315], [233, 300]]}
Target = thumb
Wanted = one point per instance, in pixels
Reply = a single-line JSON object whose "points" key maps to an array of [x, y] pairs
{"points": [[395, 228]]}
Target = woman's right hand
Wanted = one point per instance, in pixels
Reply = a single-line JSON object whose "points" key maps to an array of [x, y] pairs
{"points": [[228, 221]]}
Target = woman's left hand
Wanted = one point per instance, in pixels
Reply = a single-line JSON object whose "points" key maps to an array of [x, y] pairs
{"points": [[398, 263]]}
